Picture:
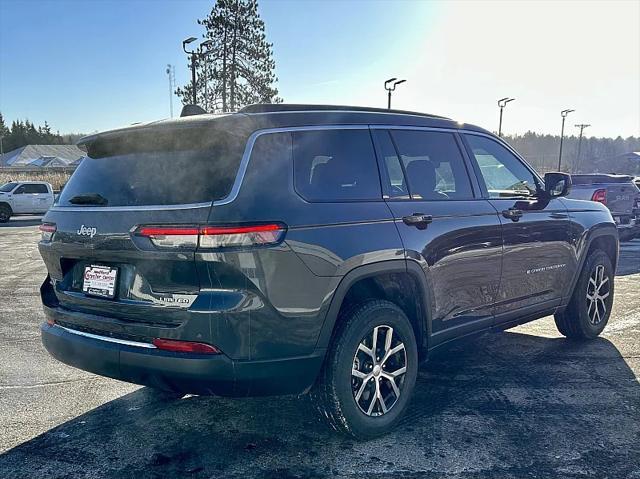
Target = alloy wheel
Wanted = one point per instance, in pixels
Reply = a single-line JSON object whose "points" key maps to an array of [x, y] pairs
{"points": [[598, 290], [378, 371]]}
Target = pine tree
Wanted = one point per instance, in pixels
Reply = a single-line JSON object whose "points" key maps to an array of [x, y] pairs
{"points": [[237, 69]]}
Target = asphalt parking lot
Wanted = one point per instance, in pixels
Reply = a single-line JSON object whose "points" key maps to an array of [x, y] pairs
{"points": [[523, 403]]}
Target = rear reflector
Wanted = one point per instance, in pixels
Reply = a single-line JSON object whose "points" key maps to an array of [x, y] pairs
{"points": [[213, 236], [184, 346], [47, 230], [600, 196]]}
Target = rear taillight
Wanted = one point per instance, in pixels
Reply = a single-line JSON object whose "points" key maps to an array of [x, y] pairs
{"points": [[184, 346], [600, 196], [47, 230], [191, 237], [171, 236], [235, 236]]}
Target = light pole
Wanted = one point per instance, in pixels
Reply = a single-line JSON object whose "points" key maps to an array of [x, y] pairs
{"points": [[582, 126], [564, 114], [502, 103], [171, 73], [192, 54], [203, 54], [391, 88]]}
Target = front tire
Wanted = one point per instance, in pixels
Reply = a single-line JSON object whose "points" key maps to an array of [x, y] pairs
{"points": [[589, 309], [5, 213], [370, 371]]}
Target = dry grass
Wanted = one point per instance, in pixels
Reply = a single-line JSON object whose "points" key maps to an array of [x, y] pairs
{"points": [[56, 178]]}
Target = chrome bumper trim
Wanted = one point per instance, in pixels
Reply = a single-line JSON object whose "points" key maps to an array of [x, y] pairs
{"points": [[124, 342]]}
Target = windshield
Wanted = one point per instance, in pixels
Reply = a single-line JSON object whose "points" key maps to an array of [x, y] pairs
{"points": [[6, 188], [167, 177]]}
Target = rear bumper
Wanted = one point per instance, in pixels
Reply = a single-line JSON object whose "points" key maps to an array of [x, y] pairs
{"points": [[188, 373]]}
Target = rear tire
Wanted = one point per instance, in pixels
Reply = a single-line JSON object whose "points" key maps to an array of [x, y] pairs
{"points": [[5, 213], [354, 392], [589, 308]]}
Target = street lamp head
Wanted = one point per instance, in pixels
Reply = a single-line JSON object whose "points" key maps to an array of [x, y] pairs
{"points": [[502, 102], [206, 43], [564, 113], [389, 81], [398, 82], [189, 40]]}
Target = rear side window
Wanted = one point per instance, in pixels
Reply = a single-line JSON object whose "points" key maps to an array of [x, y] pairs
{"points": [[35, 189], [434, 165], [179, 173], [335, 165]]}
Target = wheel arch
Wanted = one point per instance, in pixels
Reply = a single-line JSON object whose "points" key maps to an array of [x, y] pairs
{"points": [[381, 281], [603, 236]]}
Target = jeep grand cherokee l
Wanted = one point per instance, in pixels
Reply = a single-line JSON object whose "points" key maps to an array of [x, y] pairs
{"points": [[290, 248]]}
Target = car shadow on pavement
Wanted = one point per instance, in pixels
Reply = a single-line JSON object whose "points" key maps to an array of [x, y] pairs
{"points": [[22, 221], [507, 405]]}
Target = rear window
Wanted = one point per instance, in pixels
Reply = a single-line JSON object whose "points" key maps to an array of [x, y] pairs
{"points": [[171, 176], [335, 165]]}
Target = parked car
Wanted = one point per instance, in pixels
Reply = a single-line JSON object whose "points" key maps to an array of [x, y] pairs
{"points": [[24, 197], [286, 249], [619, 193]]}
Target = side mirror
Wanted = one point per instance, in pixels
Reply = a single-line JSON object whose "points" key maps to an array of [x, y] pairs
{"points": [[557, 184]]}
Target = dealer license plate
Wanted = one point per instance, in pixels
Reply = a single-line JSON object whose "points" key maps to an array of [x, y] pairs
{"points": [[100, 281]]}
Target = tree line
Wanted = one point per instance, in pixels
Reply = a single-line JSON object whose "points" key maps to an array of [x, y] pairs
{"points": [[22, 133], [597, 155]]}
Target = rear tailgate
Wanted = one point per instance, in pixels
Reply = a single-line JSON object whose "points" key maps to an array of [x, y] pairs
{"points": [[152, 179], [621, 198]]}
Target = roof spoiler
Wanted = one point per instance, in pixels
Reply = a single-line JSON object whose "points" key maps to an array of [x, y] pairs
{"points": [[190, 110]]}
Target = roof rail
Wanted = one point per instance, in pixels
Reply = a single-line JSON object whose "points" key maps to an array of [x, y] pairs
{"points": [[293, 107]]}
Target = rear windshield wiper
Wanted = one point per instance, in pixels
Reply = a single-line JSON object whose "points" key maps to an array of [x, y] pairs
{"points": [[89, 199]]}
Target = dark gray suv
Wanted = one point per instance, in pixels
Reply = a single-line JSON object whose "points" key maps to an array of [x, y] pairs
{"points": [[293, 248]]}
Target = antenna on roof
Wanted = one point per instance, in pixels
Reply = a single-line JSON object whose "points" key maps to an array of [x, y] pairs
{"points": [[190, 110]]}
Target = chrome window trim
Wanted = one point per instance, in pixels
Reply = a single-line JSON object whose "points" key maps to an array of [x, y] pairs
{"points": [[106, 338], [246, 157]]}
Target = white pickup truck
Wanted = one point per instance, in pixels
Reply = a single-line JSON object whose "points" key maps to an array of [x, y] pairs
{"points": [[24, 197]]}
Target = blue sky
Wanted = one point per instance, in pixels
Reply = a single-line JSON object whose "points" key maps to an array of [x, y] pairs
{"points": [[92, 65]]}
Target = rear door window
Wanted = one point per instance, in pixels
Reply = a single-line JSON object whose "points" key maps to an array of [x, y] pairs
{"points": [[393, 172], [335, 165], [434, 165], [36, 189], [178, 173]]}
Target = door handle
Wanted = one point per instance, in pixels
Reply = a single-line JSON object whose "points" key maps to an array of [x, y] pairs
{"points": [[419, 220], [513, 214]]}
